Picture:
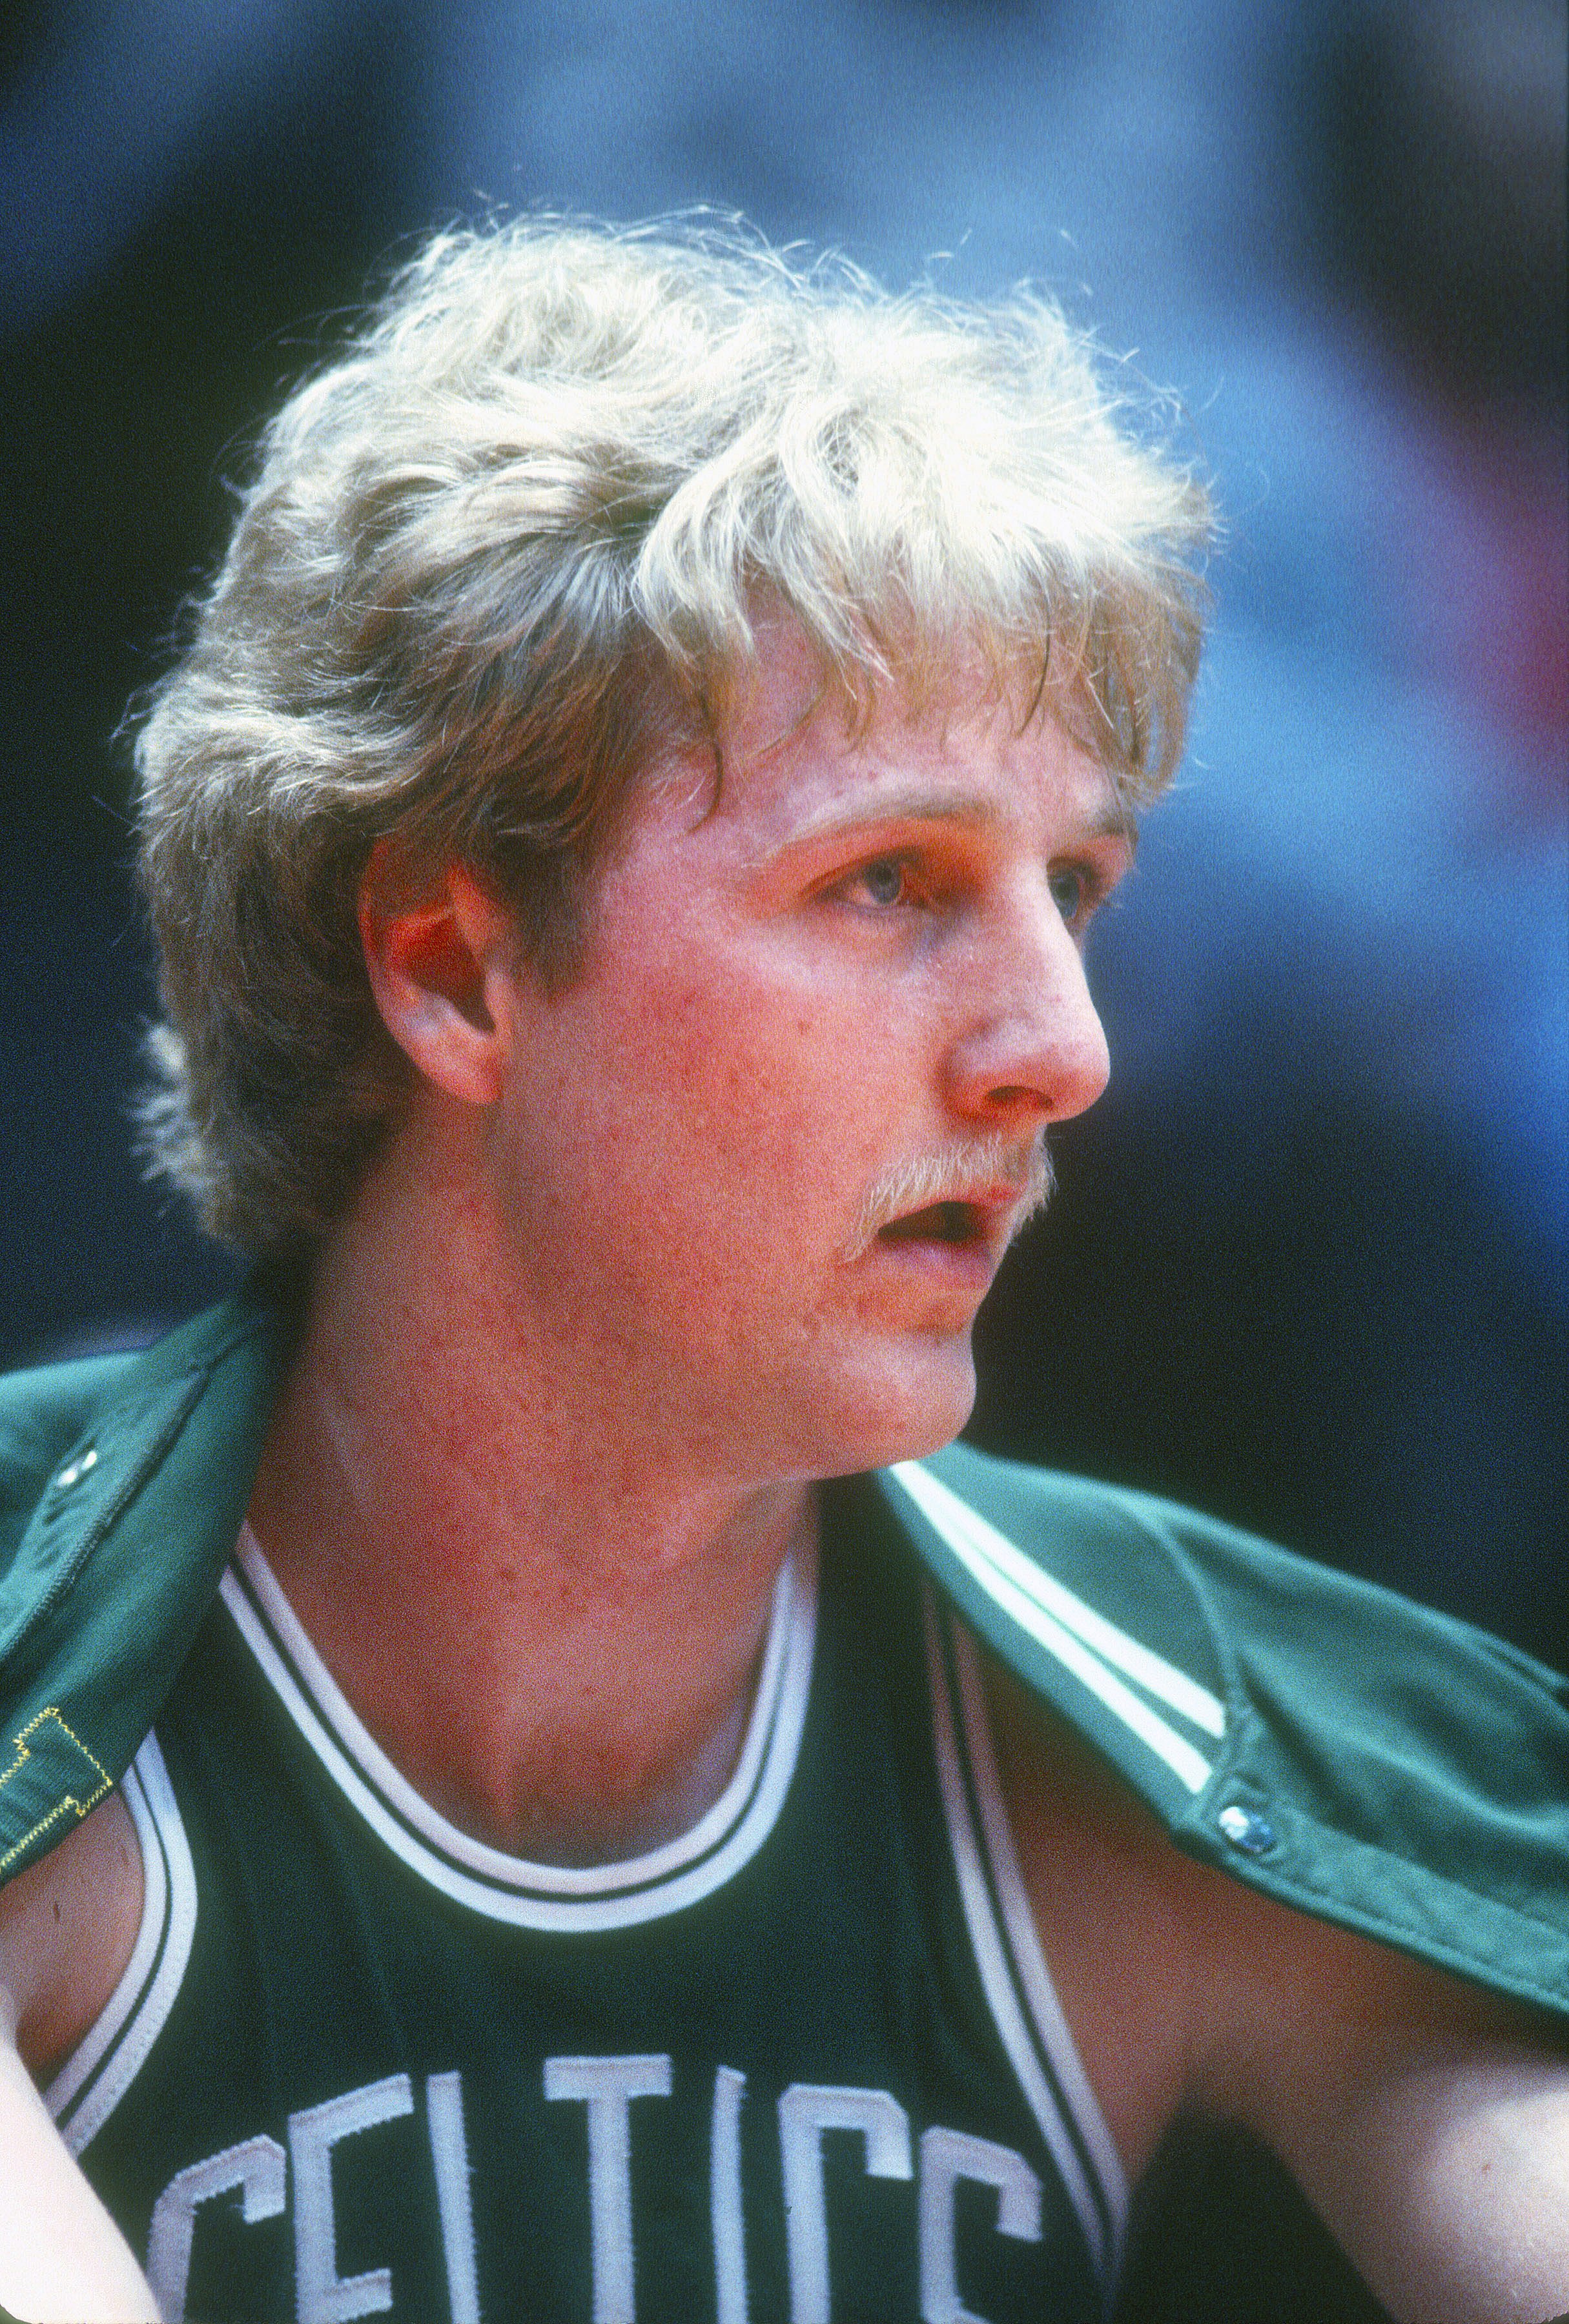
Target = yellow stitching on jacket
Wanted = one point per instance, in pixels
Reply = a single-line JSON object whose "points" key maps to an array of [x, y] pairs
{"points": [[68, 1799]]}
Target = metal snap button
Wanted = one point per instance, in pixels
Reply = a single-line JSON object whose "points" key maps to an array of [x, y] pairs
{"points": [[1245, 1830]]}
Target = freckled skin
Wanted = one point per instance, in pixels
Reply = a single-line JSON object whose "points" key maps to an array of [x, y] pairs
{"points": [[690, 1127], [591, 1329]]}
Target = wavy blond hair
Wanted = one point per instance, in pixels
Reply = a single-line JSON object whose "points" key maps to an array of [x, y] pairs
{"points": [[512, 543]]}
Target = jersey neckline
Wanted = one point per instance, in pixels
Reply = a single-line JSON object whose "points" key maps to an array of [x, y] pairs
{"points": [[488, 1880]]}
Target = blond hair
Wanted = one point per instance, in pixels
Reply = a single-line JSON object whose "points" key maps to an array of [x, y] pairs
{"points": [[512, 542]]}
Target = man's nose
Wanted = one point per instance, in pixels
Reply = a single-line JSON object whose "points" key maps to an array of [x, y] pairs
{"points": [[1032, 1049]]}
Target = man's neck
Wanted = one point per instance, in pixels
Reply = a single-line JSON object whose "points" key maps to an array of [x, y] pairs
{"points": [[549, 1619]]}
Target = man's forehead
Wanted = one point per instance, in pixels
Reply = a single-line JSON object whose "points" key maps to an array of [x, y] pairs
{"points": [[799, 756], [891, 794], [787, 687]]}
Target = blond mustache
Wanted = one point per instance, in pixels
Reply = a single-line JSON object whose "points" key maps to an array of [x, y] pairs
{"points": [[958, 1174]]}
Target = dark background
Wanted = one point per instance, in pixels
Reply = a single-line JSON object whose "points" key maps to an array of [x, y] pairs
{"points": [[1307, 1266]]}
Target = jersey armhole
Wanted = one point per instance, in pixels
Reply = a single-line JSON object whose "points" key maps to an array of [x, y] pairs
{"points": [[1017, 1986], [107, 2059]]}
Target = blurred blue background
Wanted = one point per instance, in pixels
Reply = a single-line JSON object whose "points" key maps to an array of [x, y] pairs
{"points": [[1308, 1263]]}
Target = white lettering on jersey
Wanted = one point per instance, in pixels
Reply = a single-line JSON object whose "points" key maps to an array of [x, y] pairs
{"points": [[258, 2171], [607, 2085], [321, 2296], [805, 2110], [725, 2198], [449, 2154], [946, 2156], [257, 2167]]}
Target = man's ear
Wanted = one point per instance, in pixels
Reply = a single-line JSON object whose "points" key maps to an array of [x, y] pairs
{"points": [[443, 967]]}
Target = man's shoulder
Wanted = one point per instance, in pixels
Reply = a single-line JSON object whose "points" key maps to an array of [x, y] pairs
{"points": [[42, 1412], [122, 1482], [1173, 1578], [79, 1434], [1332, 1744]]}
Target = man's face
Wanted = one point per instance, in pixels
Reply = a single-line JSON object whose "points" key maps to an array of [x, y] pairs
{"points": [[759, 1163]]}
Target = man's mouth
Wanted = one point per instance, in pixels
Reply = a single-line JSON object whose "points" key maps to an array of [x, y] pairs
{"points": [[957, 1210], [956, 1243], [960, 1225]]}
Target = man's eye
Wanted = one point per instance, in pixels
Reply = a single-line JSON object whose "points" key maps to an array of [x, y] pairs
{"points": [[1072, 891], [884, 882]]}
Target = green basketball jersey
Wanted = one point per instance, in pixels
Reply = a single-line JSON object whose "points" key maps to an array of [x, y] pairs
{"points": [[805, 2062]]}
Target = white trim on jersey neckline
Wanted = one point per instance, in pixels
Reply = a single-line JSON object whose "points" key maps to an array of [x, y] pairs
{"points": [[109, 2056], [558, 1898], [1073, 1633], [1025, 2008]]}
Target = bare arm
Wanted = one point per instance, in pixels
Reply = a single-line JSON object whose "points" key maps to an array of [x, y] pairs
{"points": [[1450, 2184], [67, 1927], [1427, 2122]]}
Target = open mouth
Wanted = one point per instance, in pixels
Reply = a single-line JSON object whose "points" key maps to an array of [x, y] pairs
{"points": [[960, 1226]]}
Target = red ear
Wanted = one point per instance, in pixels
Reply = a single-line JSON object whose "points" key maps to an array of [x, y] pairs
{"points": [[441, 966]]}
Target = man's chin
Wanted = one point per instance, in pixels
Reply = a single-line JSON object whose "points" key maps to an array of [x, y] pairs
{"points": [[917, 1411]]}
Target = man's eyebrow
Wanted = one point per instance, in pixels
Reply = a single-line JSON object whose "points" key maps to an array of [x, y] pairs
{"points": [[969, 809]]}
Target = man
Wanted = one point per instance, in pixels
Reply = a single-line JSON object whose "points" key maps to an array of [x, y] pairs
{"points": [[621, 839]]}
